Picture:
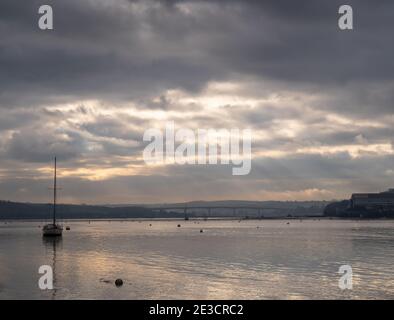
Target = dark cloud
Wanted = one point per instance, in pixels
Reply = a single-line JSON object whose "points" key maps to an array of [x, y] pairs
{"points": [[122, 49]]}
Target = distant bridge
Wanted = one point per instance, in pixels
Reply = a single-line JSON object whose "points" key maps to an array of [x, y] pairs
{"points": [[209, 209]]}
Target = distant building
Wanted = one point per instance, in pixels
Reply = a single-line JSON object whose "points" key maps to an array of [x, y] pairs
{"points": [[382, 200]]}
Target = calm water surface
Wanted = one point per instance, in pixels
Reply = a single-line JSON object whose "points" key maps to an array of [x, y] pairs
{"points": [[229, 260]]}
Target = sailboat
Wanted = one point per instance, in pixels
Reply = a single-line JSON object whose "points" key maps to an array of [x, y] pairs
{"points": [[53, 229]]}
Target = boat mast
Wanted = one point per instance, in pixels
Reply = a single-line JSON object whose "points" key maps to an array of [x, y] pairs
{"points": [[54, 196]]}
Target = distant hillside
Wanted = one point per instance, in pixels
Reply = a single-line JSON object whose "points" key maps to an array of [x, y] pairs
{"points": [[16, 210], [272, 209], [337, 209]]}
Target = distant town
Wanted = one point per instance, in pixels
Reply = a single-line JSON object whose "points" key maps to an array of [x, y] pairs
{"points": [[364, 205]]}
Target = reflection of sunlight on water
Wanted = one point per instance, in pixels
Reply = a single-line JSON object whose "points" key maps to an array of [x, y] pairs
{"points": [[230, 260]]}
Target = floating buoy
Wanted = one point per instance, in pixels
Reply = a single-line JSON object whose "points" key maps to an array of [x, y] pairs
{"points": [[201, 231], [118, 282], [67, 228], [288, 223], [179, 225], [150, 225]]}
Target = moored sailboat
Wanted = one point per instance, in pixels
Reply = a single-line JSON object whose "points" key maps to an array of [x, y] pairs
{"points": [[53, 229]]}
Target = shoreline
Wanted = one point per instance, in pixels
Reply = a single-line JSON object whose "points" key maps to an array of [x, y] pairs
{"points": [[309, 218]]}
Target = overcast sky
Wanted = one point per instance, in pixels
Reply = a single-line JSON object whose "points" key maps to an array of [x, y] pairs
{"points": [[319, 100]]}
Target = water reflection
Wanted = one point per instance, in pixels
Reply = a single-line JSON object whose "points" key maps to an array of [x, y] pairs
{"points": [[52, 245], [230, 260]]}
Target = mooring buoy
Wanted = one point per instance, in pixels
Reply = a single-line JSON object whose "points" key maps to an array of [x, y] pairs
{"points": [[119, 282]]}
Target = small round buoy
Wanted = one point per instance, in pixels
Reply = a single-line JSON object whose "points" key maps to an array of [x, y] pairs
{"points": [[150, 225], [119, 282], [67, 228], [201, 231], [288, 223], [179, 225]]}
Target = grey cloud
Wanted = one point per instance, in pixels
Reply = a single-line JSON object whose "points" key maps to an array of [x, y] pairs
{"points": [[122, 52], [36, 146], [113, 128], [15, 119]]}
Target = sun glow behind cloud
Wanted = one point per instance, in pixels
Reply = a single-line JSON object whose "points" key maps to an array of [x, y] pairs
{"points": [[215, 103]]}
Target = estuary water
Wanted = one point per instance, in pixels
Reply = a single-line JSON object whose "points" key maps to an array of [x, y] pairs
{"points": [[229, 259]]}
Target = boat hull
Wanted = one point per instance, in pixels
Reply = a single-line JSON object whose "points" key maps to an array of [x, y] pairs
{"points": [[51, 230]]}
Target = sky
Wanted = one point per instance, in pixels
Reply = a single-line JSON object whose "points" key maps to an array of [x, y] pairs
{"points": [[318, 100]]}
